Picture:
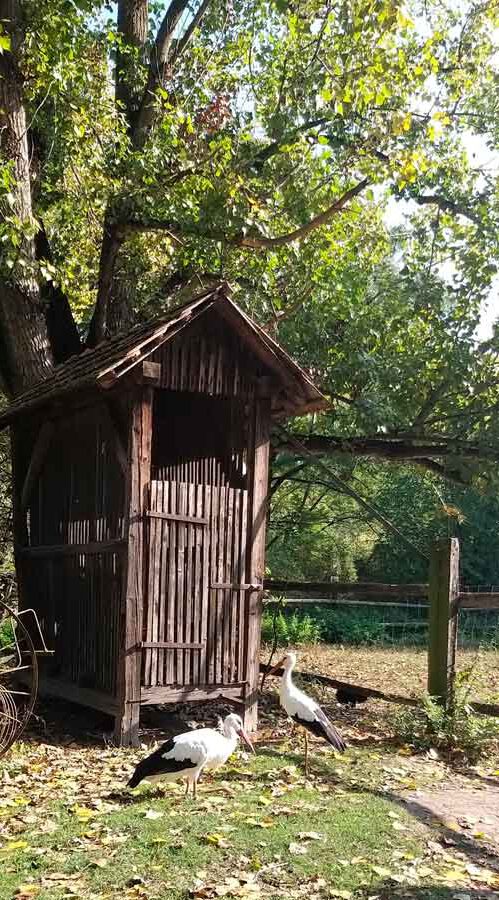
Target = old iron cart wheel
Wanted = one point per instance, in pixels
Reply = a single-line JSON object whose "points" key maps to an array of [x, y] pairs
{"points": [[18, 677]]}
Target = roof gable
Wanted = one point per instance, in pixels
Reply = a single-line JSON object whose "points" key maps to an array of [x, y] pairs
{"points": [[105, 365]]}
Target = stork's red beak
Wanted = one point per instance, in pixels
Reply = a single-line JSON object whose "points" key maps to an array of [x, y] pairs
{"points": [[274, 670], [242, 734]]}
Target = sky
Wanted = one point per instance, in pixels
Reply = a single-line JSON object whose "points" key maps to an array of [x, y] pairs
{"points": [[482, 156]]}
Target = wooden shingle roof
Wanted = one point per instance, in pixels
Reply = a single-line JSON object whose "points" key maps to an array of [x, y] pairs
{"points": [[111, 360]]}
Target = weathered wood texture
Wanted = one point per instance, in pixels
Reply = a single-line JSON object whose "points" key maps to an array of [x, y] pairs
{"points": [[130, 634], [70, 545], [210, 360], [144, 534], [478, 600], [444, 589], [257, 526], [333, 588]]}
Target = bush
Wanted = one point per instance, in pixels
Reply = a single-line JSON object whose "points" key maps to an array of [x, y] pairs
{"points": [[455, 730], [295, 629]]}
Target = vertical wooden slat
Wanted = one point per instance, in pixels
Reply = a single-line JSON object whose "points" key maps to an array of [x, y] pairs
{"points": [[151, 600], [236, 575], [228, 579], [180, 593], [212, 598], [190, 575], [160, 575], [139, 468], [204, 501], [172, 585], [200, 598], [243, 597], [218, 576]]}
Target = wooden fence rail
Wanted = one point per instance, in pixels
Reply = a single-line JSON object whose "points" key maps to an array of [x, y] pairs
{"points": [[333, 588], [441, 594]]}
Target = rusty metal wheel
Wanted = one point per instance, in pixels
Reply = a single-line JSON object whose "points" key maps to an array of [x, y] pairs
{"points": [[18, 677]]}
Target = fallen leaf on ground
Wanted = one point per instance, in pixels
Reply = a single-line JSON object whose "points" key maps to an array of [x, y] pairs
{"points": [[297, 849]]}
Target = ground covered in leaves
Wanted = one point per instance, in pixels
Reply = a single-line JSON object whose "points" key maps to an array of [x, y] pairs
{"points": [[369, 824]]}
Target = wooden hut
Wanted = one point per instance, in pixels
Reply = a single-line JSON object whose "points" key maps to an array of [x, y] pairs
{"points": [[140, 481]]}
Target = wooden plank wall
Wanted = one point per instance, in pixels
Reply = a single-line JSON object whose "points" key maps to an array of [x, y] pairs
{"points": [[211, 359], [197, 539], [73, 550], [200, 471]]}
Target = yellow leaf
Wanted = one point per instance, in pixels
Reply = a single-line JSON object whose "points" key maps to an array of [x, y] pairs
{"points": [[83, 812], [216, 839], [381, 871], [454, 875], [28, 889], [14, 845]]}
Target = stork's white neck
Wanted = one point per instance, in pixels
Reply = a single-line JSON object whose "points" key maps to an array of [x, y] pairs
{"points": [[288, 672], [230, 733]]}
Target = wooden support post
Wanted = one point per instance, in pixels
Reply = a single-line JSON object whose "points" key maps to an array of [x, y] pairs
{"points": [[36, 462], [139, 474], [258, 471], [443, 591]]}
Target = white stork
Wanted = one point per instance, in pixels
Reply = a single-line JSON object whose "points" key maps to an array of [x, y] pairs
{"points": [[304, 710], [187, 755]]}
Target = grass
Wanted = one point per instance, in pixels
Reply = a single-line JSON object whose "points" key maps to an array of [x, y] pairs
{"points": [[69, 829], [245, 823]]}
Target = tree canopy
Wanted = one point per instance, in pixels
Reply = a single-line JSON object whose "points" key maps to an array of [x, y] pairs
{"points": [[149, 147]]}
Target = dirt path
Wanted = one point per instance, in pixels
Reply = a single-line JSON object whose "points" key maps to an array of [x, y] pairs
{"points": [[472, 811]]}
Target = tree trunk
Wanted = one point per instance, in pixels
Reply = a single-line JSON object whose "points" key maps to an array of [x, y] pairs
{"points": [[26, 355], [132, 24]]}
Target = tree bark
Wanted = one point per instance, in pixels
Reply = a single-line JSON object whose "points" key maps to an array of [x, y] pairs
{"points": [[26, 355], [132, 25]]}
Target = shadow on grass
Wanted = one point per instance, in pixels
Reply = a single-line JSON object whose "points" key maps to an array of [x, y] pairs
{"points": [[390, 891], [476, 851]]}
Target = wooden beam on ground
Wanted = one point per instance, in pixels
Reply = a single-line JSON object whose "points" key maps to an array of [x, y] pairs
{"points": [[38, 455], [363, 692], [442, 639], [490, 709], [66, 690]]}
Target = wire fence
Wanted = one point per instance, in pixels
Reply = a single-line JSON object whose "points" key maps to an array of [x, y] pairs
{"points": [[375, 622]]}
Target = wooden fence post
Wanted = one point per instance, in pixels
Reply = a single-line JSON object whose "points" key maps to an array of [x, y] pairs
{"points": [[444, 587]]}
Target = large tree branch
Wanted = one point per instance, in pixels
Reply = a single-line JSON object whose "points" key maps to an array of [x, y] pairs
{"points": [[160, 58], [182, 44], [253, 242], [392, 448], [446, 205]]}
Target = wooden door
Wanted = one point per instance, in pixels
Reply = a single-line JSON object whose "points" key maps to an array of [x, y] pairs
{"points": [[196, 609]]}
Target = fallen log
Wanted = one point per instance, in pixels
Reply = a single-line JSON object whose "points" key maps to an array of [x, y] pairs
{"points": [[364, 693]]}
